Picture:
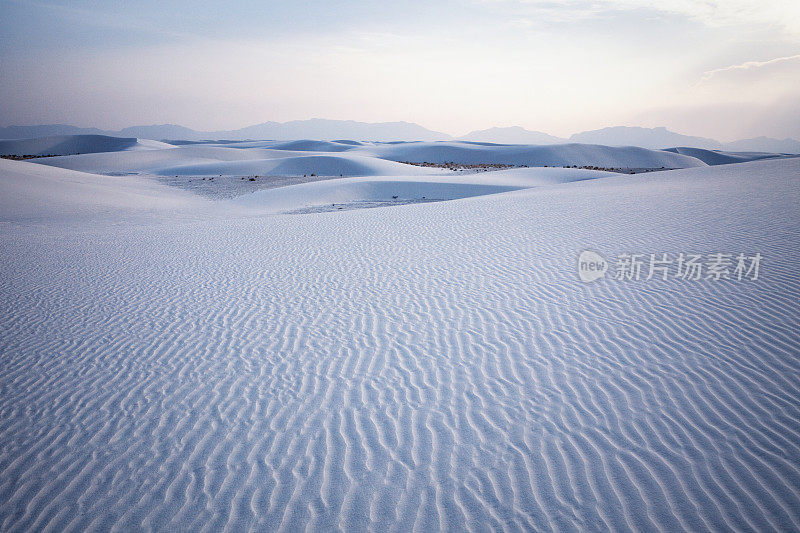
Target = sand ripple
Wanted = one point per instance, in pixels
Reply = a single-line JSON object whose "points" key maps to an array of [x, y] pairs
{"points": [[423, 367]]}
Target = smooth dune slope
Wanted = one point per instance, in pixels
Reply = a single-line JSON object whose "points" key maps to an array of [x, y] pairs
{"points": [[155, 161], [38, 193], [300, 145], [353, 192], [294, 165], [717, 157], [533, 155], [315, 146], [333, 158], [425, 367], [210, 160], [77, 144]]}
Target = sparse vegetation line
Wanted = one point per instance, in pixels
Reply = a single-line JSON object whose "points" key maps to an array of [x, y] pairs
{"points": [[15, 157], [485, 167]]}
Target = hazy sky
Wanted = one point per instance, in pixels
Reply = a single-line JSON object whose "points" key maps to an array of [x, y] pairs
{"points": [[720, 68]]}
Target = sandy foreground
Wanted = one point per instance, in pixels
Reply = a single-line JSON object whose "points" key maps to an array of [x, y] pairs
{"points": [[265, 360]]}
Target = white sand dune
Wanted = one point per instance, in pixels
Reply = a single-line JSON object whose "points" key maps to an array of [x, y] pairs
{"points": [[302, 145], [717, 157], [348, 158], [532, 155], [203, 159], [77, 144], [156, 161], [38, 193], [435, 366], [353, 192], [294, 165], [315, 146]]}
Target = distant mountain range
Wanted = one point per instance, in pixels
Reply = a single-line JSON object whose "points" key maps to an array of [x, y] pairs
{"points": [[765, 144], [653, 138], [323, 129], [318, 129], [512, 135], [645, 137]]}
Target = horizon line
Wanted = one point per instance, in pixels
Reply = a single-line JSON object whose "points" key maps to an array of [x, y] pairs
{"points": [[452, 136]]}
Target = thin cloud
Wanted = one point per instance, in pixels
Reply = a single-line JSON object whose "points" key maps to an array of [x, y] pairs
{"points": [[747, 65], [780, 15]]}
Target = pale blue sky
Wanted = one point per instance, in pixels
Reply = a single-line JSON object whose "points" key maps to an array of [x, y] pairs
{"points": [[721, 68]]}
